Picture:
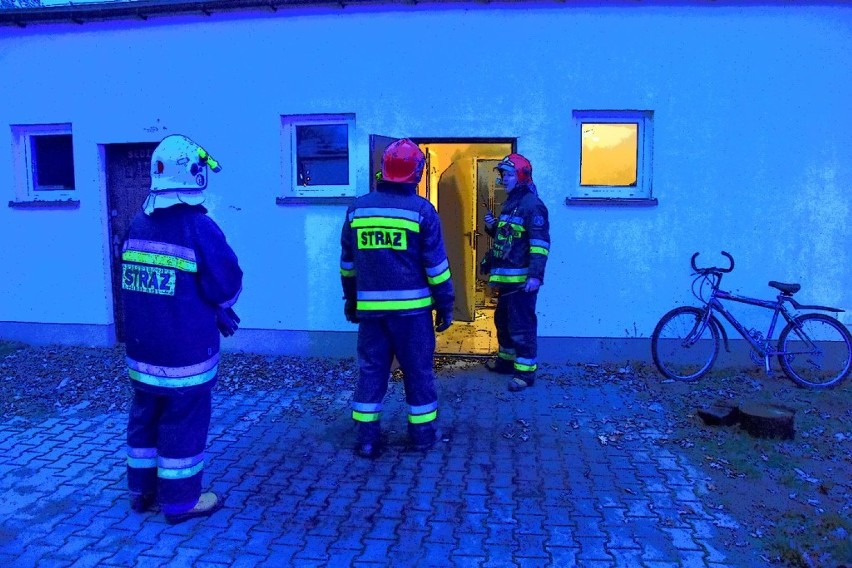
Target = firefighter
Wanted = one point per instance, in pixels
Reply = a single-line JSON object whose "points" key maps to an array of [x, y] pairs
{"points": [[394, 271], [180, 279], [515, 266]]}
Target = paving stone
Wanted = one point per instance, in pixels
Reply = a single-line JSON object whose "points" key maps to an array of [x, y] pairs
{"points": [[530, 546], [374, 550], [297, 495]]}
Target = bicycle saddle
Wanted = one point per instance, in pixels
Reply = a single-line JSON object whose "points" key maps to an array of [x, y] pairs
{"points": [[788, 289]]}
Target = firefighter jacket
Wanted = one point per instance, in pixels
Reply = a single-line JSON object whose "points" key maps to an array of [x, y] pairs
{"points": [[393, 259], [521, 240], [176, 270]]}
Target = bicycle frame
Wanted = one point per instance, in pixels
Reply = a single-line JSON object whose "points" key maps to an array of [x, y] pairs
{"points": [[808, 347], [764, 347], [777, 306]]}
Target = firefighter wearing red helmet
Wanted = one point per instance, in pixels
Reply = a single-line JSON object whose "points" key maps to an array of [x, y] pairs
{"points": [[515, 266], [395, 271]]}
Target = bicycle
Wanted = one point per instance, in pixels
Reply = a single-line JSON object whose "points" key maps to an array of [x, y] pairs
{"points": [[813, 349]]}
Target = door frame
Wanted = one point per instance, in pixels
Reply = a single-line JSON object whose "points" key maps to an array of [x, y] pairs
{"points": [[465, 283]]}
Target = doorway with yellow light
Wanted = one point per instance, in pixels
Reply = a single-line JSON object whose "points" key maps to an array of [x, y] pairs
{"points": [[460, 181]]}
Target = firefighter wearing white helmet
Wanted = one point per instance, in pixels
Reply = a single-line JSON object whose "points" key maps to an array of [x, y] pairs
{"points": [[179, 172], [395, 271], [180, 279]]}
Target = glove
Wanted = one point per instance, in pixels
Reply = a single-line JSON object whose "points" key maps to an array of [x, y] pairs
{"points": [[227, 320], [443, 321], [350, 311], [489, 219], [532, 285]]}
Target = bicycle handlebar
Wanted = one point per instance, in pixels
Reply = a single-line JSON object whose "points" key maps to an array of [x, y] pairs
{"points": [[712, 269]]}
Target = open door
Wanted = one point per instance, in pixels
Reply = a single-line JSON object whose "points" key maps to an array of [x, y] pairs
{"points": [[378, 144], [491, 196], [457, 208]]}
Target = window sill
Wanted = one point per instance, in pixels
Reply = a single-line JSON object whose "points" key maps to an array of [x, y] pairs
{"points": [[340, 200], [611, 201], [46, 204]]}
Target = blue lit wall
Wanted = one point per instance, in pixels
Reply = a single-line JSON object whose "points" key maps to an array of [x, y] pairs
{"points": [[752, 130]]}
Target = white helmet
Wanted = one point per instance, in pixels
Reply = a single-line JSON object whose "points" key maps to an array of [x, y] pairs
{"points": [[178, 173]]}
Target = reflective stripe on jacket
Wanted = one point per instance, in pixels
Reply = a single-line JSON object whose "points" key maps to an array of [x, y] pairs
{"points": [[521, 240], [392, 254], [177, 268]]}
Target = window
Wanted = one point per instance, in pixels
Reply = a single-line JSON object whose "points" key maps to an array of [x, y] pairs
{"points": [[615, 155], [44, 162], [317, 155]]}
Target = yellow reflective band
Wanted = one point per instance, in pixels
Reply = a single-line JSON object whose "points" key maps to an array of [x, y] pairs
{"points": [[539, 250], [506, 356], [141, 463], [442, 277], [160, 260], [181, 473], [173, 382], [396, 239], [347, 273], [366, 416], [508, 279], [422, 418], [385, 223], [514, 226], [208, 159], [525, 368], [368, 305]]}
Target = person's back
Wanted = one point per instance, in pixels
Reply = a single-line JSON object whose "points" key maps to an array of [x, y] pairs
{"points": [[397, 235], [179, 264], [394, 272], [179, 281]]}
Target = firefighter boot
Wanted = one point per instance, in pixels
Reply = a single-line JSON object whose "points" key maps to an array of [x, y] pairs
{"points": [[500, 366], [141, 502], [208, 503], [422, 436], [369, 440]]}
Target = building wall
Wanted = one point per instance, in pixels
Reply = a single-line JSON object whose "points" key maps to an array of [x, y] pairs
{"points": [[752, 130]]}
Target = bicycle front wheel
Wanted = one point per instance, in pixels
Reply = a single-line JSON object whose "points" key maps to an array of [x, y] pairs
{"points": [[815, 350], [684, 348]]}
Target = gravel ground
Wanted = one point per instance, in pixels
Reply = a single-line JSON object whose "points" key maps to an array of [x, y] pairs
{"points": [[798, 493], [40, 381]]}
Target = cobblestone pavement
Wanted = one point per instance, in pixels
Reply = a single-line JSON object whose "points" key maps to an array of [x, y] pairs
{"points": [[517, 480]]}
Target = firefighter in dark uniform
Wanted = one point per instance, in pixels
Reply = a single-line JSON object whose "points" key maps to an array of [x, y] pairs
{"points": [[395, 272], [515, 265], [180, 280]]}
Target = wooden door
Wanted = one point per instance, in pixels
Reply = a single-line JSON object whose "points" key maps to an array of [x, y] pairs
{"points": [[128, 180]]}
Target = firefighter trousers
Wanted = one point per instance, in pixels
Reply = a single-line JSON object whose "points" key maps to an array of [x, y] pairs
{"points": [[517, 331], [412, 339], [166, 437]]}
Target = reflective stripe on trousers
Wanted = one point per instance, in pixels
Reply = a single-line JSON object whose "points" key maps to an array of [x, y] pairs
{"points": [[517, 328], [166, 438], [412, 339]]}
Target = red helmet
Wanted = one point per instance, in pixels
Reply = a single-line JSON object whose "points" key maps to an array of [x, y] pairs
{"points": [[402, 162], [521, 166]]}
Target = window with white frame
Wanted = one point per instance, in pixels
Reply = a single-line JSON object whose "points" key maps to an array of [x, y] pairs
{"points": [[615, 154], [317, 155], [43, 156]]}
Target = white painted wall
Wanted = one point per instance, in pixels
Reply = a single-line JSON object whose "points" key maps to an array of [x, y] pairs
{"points": [[752, 129]]}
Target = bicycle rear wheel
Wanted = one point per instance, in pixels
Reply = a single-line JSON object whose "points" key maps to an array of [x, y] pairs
{"points": [[682, 347], [815, 350]]}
